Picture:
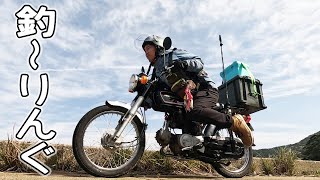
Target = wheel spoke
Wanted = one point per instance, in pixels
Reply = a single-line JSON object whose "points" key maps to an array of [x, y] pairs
{"points": [[235, 165], [128, 132], [102, 155]]}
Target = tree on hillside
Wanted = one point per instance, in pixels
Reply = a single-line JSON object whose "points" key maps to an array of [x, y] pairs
{"points": [[312, 148]]}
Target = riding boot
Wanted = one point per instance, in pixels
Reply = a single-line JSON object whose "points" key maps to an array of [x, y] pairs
{"points": [[240, 127]]}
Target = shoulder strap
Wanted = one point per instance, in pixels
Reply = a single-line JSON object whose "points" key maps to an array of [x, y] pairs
{"points": [[153, 76]]}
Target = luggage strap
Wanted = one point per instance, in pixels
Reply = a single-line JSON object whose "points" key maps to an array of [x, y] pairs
{"points": [[253, 84]]}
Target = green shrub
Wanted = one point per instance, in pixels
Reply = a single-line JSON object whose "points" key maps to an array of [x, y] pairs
{"points": [[284, 161], [267, 166]]}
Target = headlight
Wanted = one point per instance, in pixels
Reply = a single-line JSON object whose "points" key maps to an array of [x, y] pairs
{"points": [[133, 82]]}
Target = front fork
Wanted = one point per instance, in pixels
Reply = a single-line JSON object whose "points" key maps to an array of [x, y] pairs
{"points": [[127, 118]]}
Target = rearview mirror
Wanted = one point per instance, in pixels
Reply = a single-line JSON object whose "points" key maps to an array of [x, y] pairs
{"points": [[167, 43]]}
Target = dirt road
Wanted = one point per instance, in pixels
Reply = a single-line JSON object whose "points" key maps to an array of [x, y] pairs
{"points": [[74, 176]]}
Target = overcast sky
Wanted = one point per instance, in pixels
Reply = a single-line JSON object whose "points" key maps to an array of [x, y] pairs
{"points": [[95, 50]]}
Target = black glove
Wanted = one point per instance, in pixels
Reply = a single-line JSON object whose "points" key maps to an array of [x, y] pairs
{"points": [[180, 65]]}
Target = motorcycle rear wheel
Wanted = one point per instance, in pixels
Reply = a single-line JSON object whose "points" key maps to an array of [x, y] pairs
{"points": [[237, 168], [95, 154], [234, 168]]}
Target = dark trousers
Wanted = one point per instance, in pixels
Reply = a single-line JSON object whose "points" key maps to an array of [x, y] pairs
{"points": [[203, 102]]}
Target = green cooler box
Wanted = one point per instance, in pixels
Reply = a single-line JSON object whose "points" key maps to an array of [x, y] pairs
{"points": [[245, 95]]}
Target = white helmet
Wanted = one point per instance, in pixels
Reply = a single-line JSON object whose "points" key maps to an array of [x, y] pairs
{"points": [[154, 40]]}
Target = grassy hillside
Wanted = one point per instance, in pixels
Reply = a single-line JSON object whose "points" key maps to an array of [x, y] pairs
{"points": [[297, 147]]}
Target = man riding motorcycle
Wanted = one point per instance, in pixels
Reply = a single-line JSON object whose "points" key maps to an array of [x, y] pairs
{"points": [[190, 81]]}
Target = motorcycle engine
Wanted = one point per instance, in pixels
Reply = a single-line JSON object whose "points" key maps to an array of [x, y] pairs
{"points": [[182, 141], [187, 140], [163, 137]]}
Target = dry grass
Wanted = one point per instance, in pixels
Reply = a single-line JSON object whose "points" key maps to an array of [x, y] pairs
{"points": [[9, 156], [283, 163], [307, 168], [302, 167], [63, 159], [151, 163]]}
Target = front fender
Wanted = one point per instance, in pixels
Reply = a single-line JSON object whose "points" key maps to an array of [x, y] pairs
{"points": [[125, 105]]}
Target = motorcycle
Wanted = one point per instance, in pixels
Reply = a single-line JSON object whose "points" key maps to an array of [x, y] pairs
{"points": [[110, 139]]}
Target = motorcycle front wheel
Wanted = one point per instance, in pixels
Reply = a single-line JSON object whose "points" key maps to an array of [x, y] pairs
{"points": [[96, 153]]}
